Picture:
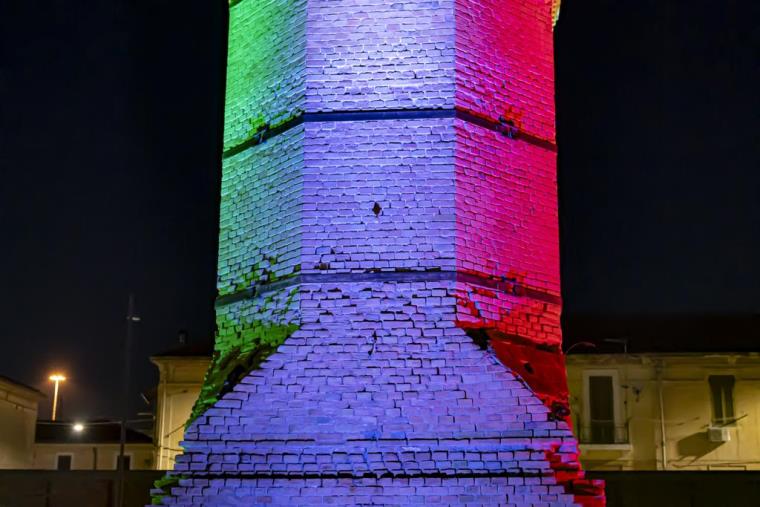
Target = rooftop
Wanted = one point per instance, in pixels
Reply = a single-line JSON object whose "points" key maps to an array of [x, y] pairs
{"points": [[94, 432], [200, 349], [604, 334], [20, 385]]}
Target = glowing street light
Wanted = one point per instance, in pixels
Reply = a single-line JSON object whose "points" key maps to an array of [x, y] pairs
{"points": [[78, 427], [57, 378]]}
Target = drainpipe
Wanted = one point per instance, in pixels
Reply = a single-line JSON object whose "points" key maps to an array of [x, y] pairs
{"points": [[164, 373], [663, 438]]}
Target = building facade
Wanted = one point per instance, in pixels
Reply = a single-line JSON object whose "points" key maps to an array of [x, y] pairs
{"points": [[89, 445], [667, 411], [181, 372], [18, 415]]}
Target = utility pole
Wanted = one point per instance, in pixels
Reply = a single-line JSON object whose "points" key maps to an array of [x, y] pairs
{"points": [[658, 368], [131, 319]]}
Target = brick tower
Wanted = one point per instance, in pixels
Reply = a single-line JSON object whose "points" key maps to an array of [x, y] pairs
{"points": [[389, 294]]}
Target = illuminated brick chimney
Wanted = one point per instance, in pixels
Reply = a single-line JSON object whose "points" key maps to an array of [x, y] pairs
{"points": [[389, 293]]}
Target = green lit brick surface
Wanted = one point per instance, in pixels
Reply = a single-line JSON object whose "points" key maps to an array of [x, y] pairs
{"points": [[247, 333], [259, 242], [265, 66], [261, 209], [260, 217], [257, 321]]}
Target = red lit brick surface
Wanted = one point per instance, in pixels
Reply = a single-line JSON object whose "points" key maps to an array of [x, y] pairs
{"points": [[505, 62]]}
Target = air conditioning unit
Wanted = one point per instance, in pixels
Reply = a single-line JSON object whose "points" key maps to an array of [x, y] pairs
{"points": [[718, 434]]}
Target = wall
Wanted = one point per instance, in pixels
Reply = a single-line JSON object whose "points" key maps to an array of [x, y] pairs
{"points": [[379, 55], [505, 62], [507, 219], [405, 167], [42, 488], [179, 384], [265, 67], [261, 213], [84, 455], [688, 412], [18, 415], [680, 489], [36, 488]]}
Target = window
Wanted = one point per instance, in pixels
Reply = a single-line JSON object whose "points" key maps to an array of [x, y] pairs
{"points": [[722, 393], [601, 409], [63, 461], [602, 422], [127, 462]]}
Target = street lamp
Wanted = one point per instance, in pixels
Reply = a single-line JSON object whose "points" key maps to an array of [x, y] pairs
{"points": [[57, 378]]}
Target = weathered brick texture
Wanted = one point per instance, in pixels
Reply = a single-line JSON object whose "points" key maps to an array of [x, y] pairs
{"points": [[507, 223], [379, 196], [261, 213], [380, 54], [436, 491], [505, 62], [388, 319], [265, 66], [377, 382]]}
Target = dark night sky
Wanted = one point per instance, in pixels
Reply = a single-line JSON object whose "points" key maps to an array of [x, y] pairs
{"points": [[110, 147]]}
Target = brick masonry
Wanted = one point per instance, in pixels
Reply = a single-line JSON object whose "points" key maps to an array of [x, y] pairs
{"points": [[389, 238], [265, 66], [379, 54]]}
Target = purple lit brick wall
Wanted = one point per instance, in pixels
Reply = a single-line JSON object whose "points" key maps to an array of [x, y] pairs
{"points": [[379, 195], [379, 54], [378, 384]]}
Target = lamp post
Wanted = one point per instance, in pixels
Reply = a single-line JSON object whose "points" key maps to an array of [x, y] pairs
{"points": [[131, 319], [57, 378]]}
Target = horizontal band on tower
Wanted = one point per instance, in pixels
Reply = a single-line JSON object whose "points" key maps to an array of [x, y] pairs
{"points": [[501, 126], [503, 284]]}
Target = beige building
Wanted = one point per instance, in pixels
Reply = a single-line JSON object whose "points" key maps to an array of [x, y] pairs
{"points": [[18, 414], [181, 373], [92, 445], [705, 407], [666, 411]]}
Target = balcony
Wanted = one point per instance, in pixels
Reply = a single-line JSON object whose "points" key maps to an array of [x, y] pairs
{"points": [[604, 435]]}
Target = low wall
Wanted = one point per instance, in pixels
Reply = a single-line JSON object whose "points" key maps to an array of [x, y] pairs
{"points": [[50, 488], [79, 488], [681, 489]]}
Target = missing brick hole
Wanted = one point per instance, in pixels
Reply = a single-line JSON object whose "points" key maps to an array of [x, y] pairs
{"points": [[559, 411], [479, 337], [376, 209]]}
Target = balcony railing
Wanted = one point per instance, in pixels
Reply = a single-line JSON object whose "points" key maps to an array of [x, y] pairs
{"points": [[603, 432]]}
